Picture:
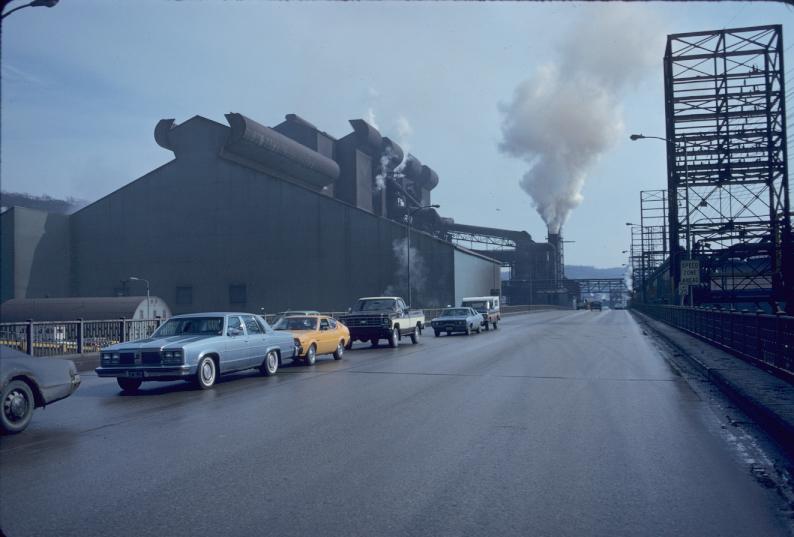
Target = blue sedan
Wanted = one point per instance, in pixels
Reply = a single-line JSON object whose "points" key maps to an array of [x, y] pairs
{"points": [[198, 348], [466, 320]]}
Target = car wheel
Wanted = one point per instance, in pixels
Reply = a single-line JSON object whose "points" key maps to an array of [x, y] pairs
{"points": [[340, 350], [419, 327], [415, 335], [129, 385], [311, 355], [437, 333], [270, 364], [206, 373], [394, 338], [18, 404]]}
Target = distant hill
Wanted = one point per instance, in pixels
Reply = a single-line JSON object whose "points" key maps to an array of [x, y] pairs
{"points": [[576, 272], [42, 203]]}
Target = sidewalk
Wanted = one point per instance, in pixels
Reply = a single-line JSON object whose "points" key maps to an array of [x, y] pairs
{"points": [[765, 397]]}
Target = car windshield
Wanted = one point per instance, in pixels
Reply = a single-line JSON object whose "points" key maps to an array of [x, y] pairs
{"points": [[375, 304], [191, 325], [454, 312], [296, 323], [479, 305]]}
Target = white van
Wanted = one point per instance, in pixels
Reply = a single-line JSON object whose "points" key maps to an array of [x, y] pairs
{"points": [[488, 306]]}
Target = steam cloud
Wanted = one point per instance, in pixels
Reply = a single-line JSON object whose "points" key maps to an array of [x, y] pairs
{"points": [[418, 270], [562, 119], [404, 130]]}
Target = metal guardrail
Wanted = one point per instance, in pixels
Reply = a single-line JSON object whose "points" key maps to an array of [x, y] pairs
{"points": [[763, 339], [56, 338]]}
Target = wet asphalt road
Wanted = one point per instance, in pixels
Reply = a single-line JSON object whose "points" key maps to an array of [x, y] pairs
{"points": [[558, 424]]}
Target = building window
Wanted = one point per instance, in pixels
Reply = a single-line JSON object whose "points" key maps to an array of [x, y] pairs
{"points": [[184, 295], [237, 294]]}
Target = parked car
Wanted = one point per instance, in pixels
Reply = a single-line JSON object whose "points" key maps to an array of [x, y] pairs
{"points": [[451, 320], [29, 382], [198, 348], [292, 313], [315, 335], [488, 306], [383, 317]]}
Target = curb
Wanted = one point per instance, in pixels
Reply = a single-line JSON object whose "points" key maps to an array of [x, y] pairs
{"points": [[764, 397]]}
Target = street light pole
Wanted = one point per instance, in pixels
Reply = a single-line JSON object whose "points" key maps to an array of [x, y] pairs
{"points": [[135, 278], [34, 3], [408, 243], [685, 144]]}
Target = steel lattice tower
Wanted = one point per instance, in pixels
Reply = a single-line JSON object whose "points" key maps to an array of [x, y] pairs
{"points": [[727, 170]]}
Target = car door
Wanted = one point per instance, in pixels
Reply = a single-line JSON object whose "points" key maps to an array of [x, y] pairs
{"points": [[326, 339], [337, 333], [257, 342], [236, 345], [405, 319]]}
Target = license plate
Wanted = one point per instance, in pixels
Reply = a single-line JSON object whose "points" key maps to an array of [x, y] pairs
{"points": [[135, 374]]}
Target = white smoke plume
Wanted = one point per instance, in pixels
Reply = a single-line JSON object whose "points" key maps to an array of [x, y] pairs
{"points": [[419, 272], [567, 115], [370, 118], [404, 130]]}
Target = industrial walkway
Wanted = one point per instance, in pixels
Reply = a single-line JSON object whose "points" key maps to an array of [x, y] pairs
{"points": [[558, 424]]}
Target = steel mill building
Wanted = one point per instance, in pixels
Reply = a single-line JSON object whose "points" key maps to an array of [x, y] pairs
{"points": [[247, 217]]}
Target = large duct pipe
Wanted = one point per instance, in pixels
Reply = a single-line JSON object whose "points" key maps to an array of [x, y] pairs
{"points": [[393, 154], [263, 145], [162, 133], [412, 168], [428, 179], [368, 139]]}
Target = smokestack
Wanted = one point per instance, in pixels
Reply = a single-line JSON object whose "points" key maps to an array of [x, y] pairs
{"points": [[558, 262]]}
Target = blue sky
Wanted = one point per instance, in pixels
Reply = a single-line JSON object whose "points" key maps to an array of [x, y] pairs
{"points": [[84, 83]]}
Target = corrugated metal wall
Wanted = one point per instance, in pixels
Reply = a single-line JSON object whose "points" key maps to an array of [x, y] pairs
{"points": [[474, 276], [207, 224]]}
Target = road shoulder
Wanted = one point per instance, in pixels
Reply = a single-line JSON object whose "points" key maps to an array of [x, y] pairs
{"points": [[766, 398]]}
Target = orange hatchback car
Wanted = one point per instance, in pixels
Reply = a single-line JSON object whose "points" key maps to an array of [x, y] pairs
{"points": [[315, 335]]}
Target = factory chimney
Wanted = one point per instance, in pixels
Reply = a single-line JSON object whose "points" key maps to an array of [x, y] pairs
{"points": [[558, 263]]}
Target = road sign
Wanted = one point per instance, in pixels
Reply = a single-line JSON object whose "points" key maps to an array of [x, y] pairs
{"points": [[690, 272]]}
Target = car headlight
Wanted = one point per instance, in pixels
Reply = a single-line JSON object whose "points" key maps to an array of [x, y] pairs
{"points": [[173, 356]]}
